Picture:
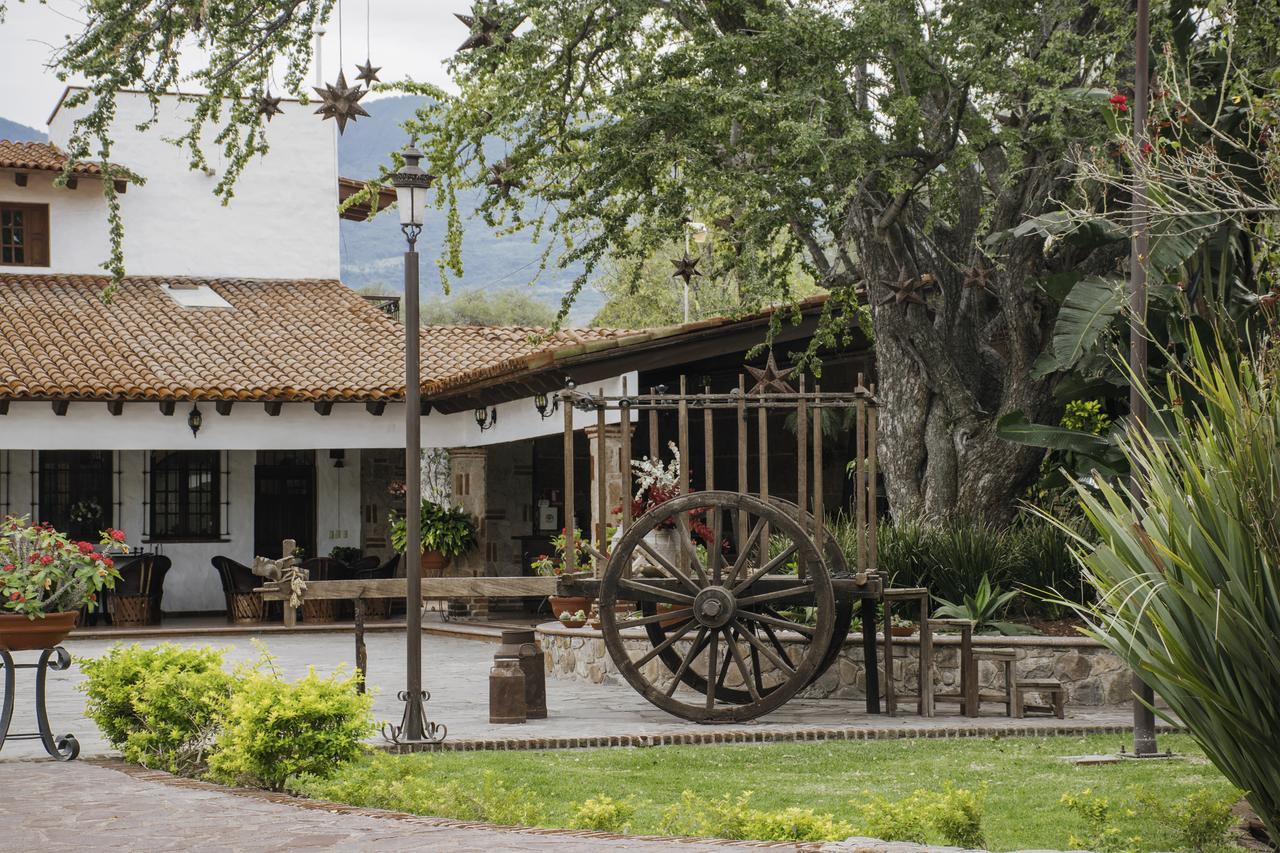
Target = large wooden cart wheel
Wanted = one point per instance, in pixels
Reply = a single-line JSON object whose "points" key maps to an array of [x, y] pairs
{"points": [[725, 612]]}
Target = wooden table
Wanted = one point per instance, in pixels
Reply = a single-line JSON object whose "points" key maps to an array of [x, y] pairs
{"points": [[919, 597]]}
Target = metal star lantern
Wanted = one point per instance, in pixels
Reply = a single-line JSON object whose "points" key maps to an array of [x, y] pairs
{"points": [[486, 27], [269, 106], [340, 102], [686, 268], [501, 177], [368, 73], [770, 378], [908, 290]]}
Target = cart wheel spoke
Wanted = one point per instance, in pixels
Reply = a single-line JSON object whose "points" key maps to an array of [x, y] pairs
{"points": [[777, 644], [777, 595], [690, 549], [712, 657], [783, 663], [682, 613], [656, 592], [699, 643], [785, 624], [744, 552], [771, 565], [741, 663], [665, 565], [666, 644]]}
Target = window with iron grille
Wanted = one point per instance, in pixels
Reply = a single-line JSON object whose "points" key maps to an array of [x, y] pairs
{"points": [[186, 492], [76, 491], [24, 235]]}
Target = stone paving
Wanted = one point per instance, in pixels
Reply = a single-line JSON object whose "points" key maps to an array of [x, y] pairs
{"points": [[456, 673]]}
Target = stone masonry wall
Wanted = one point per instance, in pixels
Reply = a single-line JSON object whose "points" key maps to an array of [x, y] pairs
{"points": [[1092, 674]]}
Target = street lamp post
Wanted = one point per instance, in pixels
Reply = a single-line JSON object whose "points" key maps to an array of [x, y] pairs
{"points": [[411, 184]]}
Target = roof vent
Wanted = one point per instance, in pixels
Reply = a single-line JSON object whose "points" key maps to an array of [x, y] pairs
{"points": [[191, 295]]}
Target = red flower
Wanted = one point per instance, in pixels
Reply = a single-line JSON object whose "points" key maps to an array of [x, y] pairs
{"points": [[108, 562], [85, 547], [93, 596], [15, 596], [8, 567], [1120, 102], [116, 535], [46, 560], [1146, 148]]}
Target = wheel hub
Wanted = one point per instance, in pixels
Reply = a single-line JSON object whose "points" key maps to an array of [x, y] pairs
{"points": [[714, 607]]}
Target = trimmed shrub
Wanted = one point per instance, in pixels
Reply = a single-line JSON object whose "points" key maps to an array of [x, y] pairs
{"points": [[604, 814], [733, 818], [274, 729], [160, 706]]}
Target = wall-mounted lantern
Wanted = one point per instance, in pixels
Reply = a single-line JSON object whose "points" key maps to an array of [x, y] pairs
{"points": [[195, 420], [486, 419], [546, 406]]}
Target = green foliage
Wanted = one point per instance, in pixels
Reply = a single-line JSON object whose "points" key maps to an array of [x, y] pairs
{"points": [[1200, 822], [379, 780], [1101, 835], [604, 814], [503, 307], [345, 553], [1086, 416], [1045, 568], [1188, 592], [273, 729], [448, 529], [159, 706], [955, 814], [733, 818], [984, 608]]}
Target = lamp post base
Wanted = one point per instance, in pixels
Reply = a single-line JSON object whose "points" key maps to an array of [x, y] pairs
{"points": [[415, 730]]}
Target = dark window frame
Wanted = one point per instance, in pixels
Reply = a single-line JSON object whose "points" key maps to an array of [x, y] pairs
{"points": [[34, 242], [69, 477], [176, 525]]}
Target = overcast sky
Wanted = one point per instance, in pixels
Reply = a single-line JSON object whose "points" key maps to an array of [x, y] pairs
{"points": [[408, 38]]}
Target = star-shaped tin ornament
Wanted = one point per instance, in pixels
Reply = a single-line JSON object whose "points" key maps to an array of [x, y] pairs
{"points": [[908, 291], [501, 176], [368, 73], [487, 27], [340, 102], [269, 106], [771, 378], [686, 268], [979, 275]]}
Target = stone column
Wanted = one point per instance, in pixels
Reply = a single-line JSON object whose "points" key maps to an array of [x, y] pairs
{"points": [[611, 446], [470, 492]]}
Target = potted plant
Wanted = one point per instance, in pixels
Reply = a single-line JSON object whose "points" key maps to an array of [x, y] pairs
{"points": [[549, 567], [46, 578], [657, 483], [447, 532], [570, 619], [900, 627]]}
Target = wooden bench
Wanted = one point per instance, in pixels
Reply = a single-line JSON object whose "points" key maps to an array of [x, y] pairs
{"points": [[1007, 659], [1046, 687]]}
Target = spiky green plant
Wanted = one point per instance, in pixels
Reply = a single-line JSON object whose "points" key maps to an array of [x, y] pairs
{"points": [[1187, 574]]}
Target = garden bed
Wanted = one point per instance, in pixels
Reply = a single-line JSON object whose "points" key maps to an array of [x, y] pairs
{"points": [[1092, 675], [1025, 780]]}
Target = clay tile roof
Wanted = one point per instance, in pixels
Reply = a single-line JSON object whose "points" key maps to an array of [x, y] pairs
{"points": [[453, 353], [43, 156], [281, 339]]}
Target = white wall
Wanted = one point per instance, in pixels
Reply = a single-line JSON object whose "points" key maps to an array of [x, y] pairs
{"points": [[89, 426], [282, 222], [77, 222], [192, 584]]}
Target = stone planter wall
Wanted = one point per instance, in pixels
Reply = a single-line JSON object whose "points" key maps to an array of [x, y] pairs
{"points": [[1092, 674]]}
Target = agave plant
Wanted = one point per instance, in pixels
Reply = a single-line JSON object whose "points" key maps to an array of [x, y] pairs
{"points": [[1187, 568], [984, 608]]}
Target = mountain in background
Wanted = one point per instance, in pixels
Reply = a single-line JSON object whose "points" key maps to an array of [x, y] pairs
{"points": [[372, 252], [15, 132]]}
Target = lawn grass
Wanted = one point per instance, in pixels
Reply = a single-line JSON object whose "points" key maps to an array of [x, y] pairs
{"points": [[1026, 779]]}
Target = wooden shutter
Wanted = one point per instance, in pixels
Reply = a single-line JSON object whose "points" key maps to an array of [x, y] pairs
{"points": [[38, 234]]}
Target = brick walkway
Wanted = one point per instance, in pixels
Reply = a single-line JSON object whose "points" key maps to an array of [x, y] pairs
{"points": [[88, 806]]}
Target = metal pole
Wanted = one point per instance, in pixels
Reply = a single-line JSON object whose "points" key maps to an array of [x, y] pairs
{"points": [[412, 727], [1144, 722]]}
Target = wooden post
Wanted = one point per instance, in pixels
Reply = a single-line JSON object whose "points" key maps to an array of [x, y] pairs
{"points": [[570, 546], [873, 516], [602, 486], [869, 660], [362, 654], [890, 690], [682, 438], [708, 445], [743, 486], [625, 417], [802, 466], [762, 452], [654, 447], [290, 613], [859, 479], [968, 672], [819, 510]]}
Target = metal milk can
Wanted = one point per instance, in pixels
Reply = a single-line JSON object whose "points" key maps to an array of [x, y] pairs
{"points": [[522, 644]]}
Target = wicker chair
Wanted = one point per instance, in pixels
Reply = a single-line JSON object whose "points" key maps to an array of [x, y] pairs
{"points": [[323, 610], [238, 582], [135, 601], [368, 569]]}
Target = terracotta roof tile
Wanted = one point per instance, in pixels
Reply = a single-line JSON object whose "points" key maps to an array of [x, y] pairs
{"points": [[280, 340], [42, 156]]}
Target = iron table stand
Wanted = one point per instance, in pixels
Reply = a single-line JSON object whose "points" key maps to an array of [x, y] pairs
{"points": [[62, 747]]}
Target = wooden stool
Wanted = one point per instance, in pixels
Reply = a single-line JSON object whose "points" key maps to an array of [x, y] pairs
{"points": [[1044, 686], [1007, 658], [919, 597]]}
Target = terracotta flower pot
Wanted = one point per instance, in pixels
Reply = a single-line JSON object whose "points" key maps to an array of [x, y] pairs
{"points": [[902, 630], [433, 564], [570, 604], [18, 633]]}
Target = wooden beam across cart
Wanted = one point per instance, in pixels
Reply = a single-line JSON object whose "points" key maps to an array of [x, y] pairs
{"points": [[489, 587]]}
